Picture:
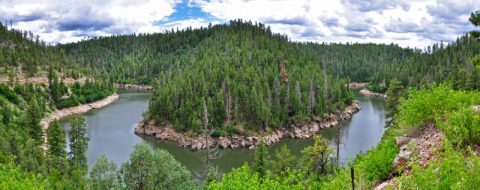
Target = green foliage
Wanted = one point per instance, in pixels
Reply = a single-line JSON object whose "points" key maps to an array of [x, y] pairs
{"points": [[452, 111], [66, 103], [12, 177], [285, 161], [78, 143], [428, 105], [22, 50], [56, 147], [245, 178], [104, 175], [317, 157], [9, 94], [456, 169], [475, 20], [371, 168], [149, 169], [377, 87], [33, 115], [262, 159], [462, 127], [249, 77], [394, 93]]}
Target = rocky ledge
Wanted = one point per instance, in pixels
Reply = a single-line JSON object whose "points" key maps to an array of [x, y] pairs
{"points": [[367, 92], [301, 131], [134, 87]]}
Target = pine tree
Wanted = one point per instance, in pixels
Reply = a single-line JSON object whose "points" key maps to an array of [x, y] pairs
{"points": [[78, 142], [260, 164], [56, 147], [32, 120]]}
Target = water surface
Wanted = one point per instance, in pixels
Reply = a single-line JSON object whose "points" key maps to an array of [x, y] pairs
{"points": [[111, 133]]}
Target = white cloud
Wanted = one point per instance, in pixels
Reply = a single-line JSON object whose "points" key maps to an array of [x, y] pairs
{"points": [[62, 21], [416, 23], [377, 21]]}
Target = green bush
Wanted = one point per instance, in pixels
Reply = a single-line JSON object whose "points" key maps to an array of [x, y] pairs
{"points": [[456, 170], [65, 103], [10, 95]]}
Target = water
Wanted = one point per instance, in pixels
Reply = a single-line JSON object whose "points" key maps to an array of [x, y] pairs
{"points": [[111, 133]]}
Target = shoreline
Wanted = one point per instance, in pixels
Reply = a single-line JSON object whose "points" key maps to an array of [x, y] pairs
{"points": [[239, 141], [357, 85], [83, 108], [134, 87], [367, 92]]}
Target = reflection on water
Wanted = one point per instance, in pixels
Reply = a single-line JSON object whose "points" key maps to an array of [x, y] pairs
{"points": [[111, 133]]}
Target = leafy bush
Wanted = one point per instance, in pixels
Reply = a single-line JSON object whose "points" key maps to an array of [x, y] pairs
{"points": [[450, 110], [65, 103], [217, 133], [454, 171], [429, 105], [462, 127], [373, 167], [377, 88]]}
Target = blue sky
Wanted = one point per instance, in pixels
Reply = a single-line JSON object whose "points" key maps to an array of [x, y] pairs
{"points": [[413, 23]]}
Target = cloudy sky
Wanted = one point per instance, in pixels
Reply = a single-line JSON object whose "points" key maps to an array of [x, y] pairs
{"points": [[414, 23]]}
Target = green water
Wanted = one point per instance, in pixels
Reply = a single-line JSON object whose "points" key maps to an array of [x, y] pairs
{"points": [[111, 133]]}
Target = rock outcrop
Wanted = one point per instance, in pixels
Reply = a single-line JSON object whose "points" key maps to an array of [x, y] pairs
{"points": [[237, 141], [367, 92]]}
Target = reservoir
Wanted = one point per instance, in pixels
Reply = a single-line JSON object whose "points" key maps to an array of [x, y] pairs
{"points": [[110, 130]]}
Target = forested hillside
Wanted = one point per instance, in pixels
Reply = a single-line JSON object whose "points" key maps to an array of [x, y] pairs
{"points": [[380, 64], [246, 76], [24, 163], [23, 53]]}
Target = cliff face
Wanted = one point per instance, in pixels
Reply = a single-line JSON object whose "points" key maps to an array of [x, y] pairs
{"points": [[237, 141]]}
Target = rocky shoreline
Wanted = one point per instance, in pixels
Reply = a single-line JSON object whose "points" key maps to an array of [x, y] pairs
{"points": [[198, 142], [367, 92], [134, 87]]}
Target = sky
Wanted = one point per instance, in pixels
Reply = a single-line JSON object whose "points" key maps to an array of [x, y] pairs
{"points": [[408, 23]]}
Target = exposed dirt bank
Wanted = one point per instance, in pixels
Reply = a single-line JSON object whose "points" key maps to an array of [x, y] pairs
{"points": [[357, 85], [198, 142], [134, 87], [57, 114], [367, 92], [41, 80]]}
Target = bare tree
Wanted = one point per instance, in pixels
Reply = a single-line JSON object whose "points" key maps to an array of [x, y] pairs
{"points": [[311, 101], [211, 150], [325, 81]]}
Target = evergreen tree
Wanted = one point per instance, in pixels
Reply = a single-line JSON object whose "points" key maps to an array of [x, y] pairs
{"points": [[78, 143], [475, 20], [261, 159], [56, 147], [32, 120], [394, 93], [285, 161]]}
